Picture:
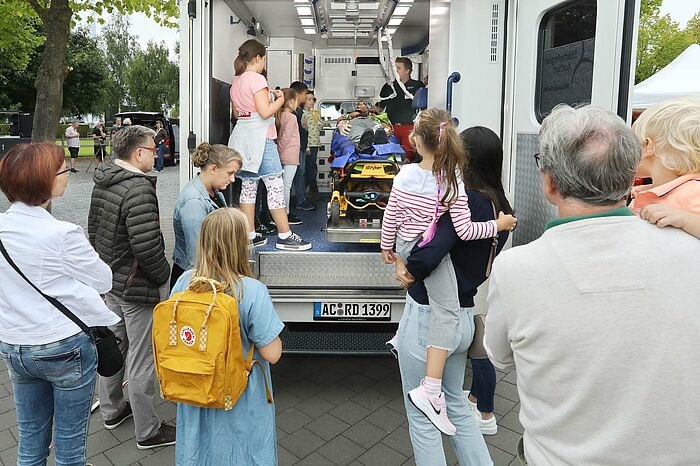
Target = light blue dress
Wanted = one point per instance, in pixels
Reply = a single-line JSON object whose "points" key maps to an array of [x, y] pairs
{"points": [[244, 435]]}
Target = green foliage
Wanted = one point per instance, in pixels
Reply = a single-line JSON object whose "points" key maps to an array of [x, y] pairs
{"points": [[153, 79], [661, 39], [84, 87], [18, 36], [120, 46]]}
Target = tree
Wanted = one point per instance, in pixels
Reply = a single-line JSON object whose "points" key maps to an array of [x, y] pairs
{"points": [[85, 82], [152, 79], [18, 38], [660, 39], [84, 88], [119, 49], [56, 17]]}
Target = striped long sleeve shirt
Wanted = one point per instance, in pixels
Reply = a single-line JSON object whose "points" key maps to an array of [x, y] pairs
{"points": [[411, 208]]}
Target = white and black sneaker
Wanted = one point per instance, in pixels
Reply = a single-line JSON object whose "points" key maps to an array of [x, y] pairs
{"points": [[293, 243], [258, 241]]}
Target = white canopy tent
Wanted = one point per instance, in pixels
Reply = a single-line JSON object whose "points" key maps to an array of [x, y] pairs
{"points": [[679, 78]]}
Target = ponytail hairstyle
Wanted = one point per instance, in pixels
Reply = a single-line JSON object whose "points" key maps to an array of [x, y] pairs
{"points": [[214, 154], [290, 95], [439, 135], [484, 165], [247, 52]]}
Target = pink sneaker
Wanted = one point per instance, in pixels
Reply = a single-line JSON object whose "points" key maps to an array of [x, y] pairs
{"points": [[434, 409]]}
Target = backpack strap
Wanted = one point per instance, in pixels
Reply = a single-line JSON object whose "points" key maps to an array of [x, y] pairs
{"points": [[249, 363]]}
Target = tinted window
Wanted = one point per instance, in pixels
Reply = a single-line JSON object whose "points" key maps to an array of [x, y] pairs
{"points": [[565, 58]]}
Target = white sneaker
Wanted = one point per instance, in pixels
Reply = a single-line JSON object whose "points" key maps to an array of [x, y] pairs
{"points": [[486, 426], [472, 406], [392, 345]]}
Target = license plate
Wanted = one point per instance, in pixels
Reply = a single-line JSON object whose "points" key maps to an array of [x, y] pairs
{"points": [[352, 311], [370, 169]]}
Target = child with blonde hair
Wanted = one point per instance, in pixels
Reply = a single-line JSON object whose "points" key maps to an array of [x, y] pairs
{"points": [[670, 135], [246, 433], [420, 194]]}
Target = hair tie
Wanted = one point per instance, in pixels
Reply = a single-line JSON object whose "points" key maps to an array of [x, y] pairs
{"points": [[442, 128]]}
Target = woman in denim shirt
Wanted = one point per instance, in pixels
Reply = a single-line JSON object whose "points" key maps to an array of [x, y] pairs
{"points": [[218, 165]]}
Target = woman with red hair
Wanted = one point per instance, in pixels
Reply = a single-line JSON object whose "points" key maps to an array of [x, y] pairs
{"points": [[51, 362]]}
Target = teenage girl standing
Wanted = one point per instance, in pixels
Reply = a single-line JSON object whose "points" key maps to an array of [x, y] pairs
{"points": [[288, 145]]}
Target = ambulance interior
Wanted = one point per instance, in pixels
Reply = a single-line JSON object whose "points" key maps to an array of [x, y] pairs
{"points": [[333, 46]]}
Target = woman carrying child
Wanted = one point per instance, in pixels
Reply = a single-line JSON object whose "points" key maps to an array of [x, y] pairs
{"points": [[254, 138], [421, 194], [244, 435]]}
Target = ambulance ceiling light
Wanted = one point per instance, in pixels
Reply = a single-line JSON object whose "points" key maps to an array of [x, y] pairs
{"points": [[395, 21], [309, 31], [403, 1], [391, 31], [307, 21], [301, 1], [401, 10], [304, 11]]}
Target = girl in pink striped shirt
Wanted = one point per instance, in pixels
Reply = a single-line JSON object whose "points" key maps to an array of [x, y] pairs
{"points": [[421, 193]]}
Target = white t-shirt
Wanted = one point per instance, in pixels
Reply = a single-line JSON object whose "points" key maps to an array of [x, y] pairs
{"points": [[72, 141]]}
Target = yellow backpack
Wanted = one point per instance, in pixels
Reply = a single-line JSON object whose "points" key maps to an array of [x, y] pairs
{"points": [[198, 351]]}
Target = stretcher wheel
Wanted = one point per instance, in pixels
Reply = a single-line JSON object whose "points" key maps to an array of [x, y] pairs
{"points": [[335, 213]]}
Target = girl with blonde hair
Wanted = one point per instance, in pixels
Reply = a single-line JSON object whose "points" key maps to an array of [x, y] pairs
{"points": [[246, 433], [218, 165], [670, 135]]}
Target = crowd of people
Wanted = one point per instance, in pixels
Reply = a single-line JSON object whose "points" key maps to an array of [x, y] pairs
{"points": [[598, 316]]}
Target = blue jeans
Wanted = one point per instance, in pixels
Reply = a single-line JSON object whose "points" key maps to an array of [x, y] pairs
{"points": [[483, 384], [160, 157], [53, 386], [299, 180], [311, 169], [425, 438]]}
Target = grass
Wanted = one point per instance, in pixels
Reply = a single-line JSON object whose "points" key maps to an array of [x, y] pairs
{"points": [[86, 148]]}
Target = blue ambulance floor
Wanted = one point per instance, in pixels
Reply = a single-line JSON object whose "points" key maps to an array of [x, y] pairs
{"points": [[313, 229], [330, 411]]}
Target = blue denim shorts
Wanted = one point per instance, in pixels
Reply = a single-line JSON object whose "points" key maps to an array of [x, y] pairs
{"points": [[271, 164]]}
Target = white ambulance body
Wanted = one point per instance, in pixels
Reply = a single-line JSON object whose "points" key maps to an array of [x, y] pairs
{"points": [[503, 64]]}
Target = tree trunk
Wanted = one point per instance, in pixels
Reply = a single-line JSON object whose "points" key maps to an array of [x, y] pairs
{"points": [[52, 71]]}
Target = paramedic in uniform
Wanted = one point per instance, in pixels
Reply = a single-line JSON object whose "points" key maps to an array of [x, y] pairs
{"points": [[399, 108]]}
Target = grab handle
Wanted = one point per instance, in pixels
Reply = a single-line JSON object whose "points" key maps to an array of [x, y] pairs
{"points": [[453, 78]]}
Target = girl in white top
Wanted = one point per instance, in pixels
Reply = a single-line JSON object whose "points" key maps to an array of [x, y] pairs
{"points": [[420, 194], [51, 362]]}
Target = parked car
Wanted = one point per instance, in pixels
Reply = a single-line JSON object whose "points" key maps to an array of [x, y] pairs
{"points": [[172, 154]]}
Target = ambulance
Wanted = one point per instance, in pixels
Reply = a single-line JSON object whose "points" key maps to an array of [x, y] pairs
{"points": [[503, 64]]}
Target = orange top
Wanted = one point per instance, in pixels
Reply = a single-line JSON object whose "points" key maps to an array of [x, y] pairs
{"points": [[682, 193]]}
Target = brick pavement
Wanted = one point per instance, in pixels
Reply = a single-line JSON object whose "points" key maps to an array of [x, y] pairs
{"points": [[330, 411]]}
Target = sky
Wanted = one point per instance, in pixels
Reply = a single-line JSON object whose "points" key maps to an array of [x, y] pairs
{"points": [[147, 29], [680, 10]]}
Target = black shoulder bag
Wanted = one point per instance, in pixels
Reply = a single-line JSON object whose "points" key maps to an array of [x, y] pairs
{"points": [[109, 358]]}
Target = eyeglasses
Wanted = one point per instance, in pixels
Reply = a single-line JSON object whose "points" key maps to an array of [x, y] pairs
{"points": [[67, 170], [537, 157], [152, 149]]}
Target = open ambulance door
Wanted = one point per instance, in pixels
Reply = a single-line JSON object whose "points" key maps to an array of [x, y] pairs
{"points": [[574, 52]]}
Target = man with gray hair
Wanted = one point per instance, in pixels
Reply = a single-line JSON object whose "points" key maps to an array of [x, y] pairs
{"points": [[124, 228], [599, 315]]}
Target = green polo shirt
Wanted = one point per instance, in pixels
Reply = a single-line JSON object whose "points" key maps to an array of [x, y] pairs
{"points": [[619, 212]]}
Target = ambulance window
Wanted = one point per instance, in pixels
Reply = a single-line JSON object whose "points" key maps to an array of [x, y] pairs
{"points": [[565, 58]]}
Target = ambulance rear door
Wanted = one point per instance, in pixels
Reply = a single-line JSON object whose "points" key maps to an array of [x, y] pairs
{"points": [[574, 52]]}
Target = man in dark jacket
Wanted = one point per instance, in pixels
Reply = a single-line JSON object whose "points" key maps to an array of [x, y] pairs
{"points": [[124, 228]]}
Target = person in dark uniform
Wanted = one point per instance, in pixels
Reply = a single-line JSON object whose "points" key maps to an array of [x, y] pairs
{"points": [[399, 108]]}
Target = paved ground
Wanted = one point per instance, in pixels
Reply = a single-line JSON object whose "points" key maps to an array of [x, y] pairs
{"points": [[329, 410]]}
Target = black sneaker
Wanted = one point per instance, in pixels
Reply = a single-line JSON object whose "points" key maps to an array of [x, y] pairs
{"points": [[380, 136], [293, 219], [258, 241], [366, 140], [164, 437], [306, 205], [293, 243], [119, 420]]}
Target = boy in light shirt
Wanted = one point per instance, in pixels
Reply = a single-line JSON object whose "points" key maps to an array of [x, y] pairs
{"points": [[670, 137]]}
